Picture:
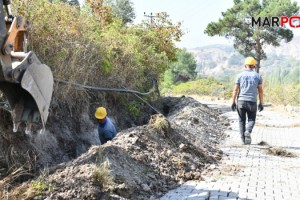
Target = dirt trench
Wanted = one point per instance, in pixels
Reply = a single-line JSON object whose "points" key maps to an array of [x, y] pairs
{"points": [[143, 161]]}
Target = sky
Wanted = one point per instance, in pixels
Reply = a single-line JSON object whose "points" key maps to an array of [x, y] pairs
{"points": [[195, 15]]}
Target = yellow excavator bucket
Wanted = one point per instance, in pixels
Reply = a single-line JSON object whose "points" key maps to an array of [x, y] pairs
{"points": [[38, 82], [30, 100], [26, 83]]}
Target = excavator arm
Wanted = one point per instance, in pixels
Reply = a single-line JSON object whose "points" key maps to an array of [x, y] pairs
{"points": [[24, 80]]}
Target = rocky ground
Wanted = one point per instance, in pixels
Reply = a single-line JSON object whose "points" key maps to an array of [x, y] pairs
{"points": [[142, 162]]}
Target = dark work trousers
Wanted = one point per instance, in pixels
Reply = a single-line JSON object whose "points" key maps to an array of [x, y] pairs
{"points": [[246, 108]]}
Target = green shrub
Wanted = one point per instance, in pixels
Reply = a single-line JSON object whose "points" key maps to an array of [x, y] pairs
{"points": [[288, 94], [133, 109], [79, 47], [202, 87], [41, 184]]}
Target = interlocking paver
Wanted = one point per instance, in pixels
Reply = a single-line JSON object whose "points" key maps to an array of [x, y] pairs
{"points": [[262, 176]]}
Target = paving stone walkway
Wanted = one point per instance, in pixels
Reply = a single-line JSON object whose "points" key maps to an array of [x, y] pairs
{"points": [[249, 171]]}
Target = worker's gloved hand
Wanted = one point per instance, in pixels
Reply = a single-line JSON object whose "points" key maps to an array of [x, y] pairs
{"points": [[260, 107], [233, 106]]}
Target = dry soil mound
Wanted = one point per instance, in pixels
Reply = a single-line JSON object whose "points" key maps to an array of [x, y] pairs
{"points": [[144, 161]]}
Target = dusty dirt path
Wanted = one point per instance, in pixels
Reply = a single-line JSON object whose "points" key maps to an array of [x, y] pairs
{"points": [[249, 171]]}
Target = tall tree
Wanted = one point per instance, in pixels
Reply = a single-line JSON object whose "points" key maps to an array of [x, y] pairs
{"points": [[249, 40], [122, 9], [165, 33], [184, 68]]}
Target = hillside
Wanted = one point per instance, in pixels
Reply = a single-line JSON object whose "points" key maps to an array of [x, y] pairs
{"points": [[222, 61]]}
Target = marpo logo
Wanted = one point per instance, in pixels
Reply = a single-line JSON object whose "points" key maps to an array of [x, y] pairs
{"points": [[283, 21]]}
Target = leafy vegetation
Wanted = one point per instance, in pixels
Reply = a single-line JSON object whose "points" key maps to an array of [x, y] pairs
{"points": [[37, 187], [122, 9], [94, 45], [202, 87], [288, 94], [249, 40], [134, 109], [91, 46], [181, 70], [40, 185], [282, 81]]}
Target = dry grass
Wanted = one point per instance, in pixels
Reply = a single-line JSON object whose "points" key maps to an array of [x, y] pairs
{"points": [[160, 124], [291, 125], [263, 143], [24, 192], [279, 151], [231, 169], [102, 174], [29, 190], [5, 183], [16, 166]]}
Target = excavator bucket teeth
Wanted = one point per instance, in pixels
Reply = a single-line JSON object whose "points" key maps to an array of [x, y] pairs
{"points": [[20, 101], [38, 82]]}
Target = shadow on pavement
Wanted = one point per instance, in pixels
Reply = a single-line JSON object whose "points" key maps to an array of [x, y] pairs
{"points": [[189, 192]]}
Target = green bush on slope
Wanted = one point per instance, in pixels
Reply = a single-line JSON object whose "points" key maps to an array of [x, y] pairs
{"points": [[81, 48]]}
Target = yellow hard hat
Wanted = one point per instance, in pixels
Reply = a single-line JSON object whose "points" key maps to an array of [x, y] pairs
{"points": [[100, 113], [250, 61]]}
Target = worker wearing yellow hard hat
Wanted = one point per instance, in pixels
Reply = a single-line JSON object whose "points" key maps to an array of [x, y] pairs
{"points": [[247, 85], [250, 61], [100, 113], [106, 129]]}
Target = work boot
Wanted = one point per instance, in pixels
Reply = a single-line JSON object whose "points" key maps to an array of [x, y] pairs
{"points": [[247, 137], [243, 139]]}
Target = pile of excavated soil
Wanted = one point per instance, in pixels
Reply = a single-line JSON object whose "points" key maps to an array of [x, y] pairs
{"points": [[144, 161]]}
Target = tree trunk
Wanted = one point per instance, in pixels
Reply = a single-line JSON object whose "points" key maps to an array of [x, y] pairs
{"points": [[156, 88], [258, 54], [257, 66]]}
